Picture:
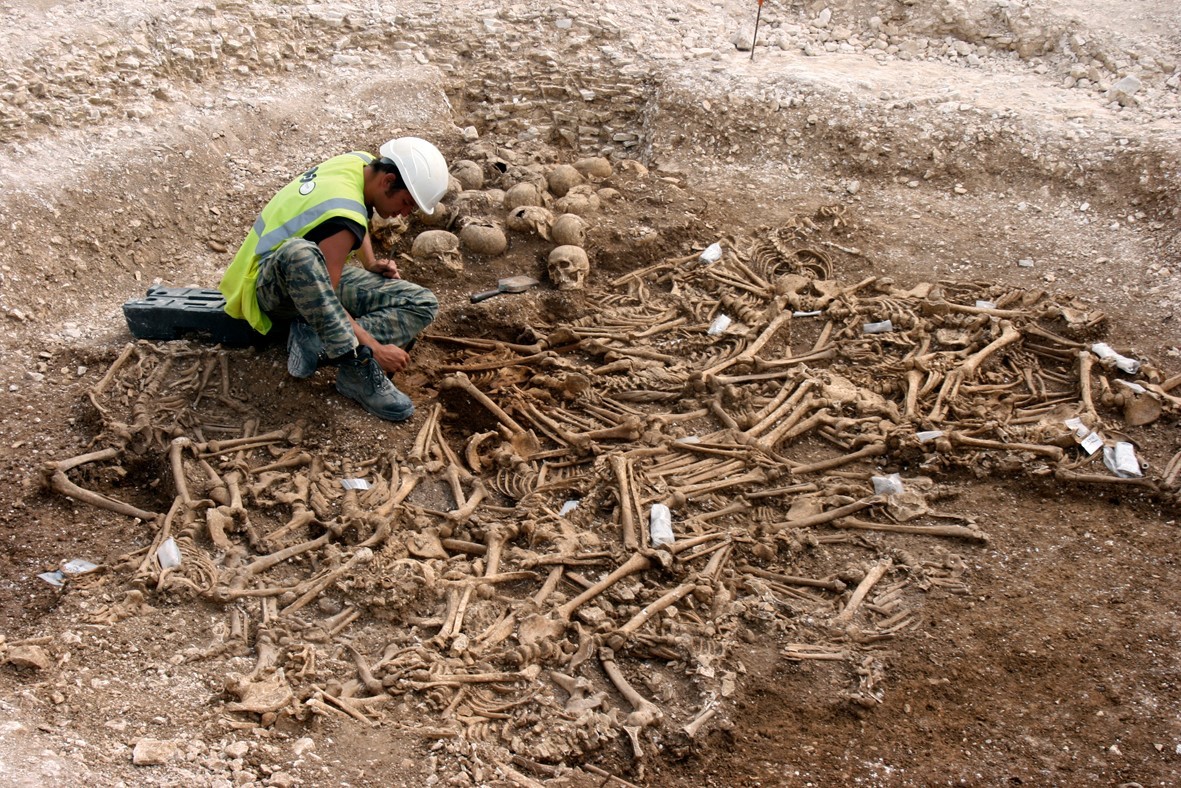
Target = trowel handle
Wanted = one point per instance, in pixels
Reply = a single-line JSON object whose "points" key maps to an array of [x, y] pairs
{"points": [[478, 297]]}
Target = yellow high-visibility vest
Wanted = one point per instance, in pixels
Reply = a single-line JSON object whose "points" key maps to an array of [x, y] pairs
{"points": [[332, 189]]}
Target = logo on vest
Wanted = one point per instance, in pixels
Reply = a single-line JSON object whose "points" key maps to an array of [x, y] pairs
{"points": [[308, 181]]}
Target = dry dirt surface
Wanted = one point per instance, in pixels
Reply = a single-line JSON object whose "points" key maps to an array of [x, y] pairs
{"points": [[487, 606]]}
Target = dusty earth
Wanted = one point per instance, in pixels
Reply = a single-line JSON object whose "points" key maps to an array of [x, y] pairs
{"points": [[1022, 146]]}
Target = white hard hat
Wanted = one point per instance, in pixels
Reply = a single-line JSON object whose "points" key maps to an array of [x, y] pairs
{"points": [[423, 170]]}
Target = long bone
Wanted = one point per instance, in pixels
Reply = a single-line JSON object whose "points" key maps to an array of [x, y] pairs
{"points": [[957, 531], [488, 344], [759, 419], [660, 328], [233, 581], [419, 452], [1085, 362], [301, 515], [763, 292], [459, 679], [464, 512], [681, 495], [644, 712], [1172, 471], [55, 477], [218, 491], [112, 371], [263, 563], [485, 366], [409, 482], [1064, 475], [601, 348], [914, 383], [457, 605], [959, 439], [875, 449], [967, 370], [750, 455], [708, 469], [863, 588], [452, 475], [249, 430], [637, 562], [316, 586], [751, 350], [694, 726], [521, 439], [781, 369], [820, 420], [825, 517], [630, 430], [176, 463], [784, 417], [708, 574], [640, 273], [830, 585], [293, 434], [628, 504], [292, 459]]}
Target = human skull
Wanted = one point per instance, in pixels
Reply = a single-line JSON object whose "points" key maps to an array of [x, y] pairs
{"points": [[581, 200], [595, 168], [568, 267], [468, 173], [562, 179], [531, 219], [483, 238], [438, 248], [524, 193], [569, 229]]}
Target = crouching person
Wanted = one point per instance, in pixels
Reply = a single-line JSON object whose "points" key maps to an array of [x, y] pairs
{"points": [[292, 267]]}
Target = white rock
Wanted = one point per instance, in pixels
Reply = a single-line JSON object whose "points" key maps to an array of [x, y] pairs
{"points": [[236, 749], [1124, 90], [29, 656], [152, 752]]}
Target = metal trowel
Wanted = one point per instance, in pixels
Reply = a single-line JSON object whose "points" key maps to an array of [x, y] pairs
{"points": [[512, 284]]}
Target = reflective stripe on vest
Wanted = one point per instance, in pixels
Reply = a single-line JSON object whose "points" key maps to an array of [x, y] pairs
{"points": [[338, 191]]}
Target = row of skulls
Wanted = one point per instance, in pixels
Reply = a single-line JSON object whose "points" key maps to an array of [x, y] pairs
{"points": [[553, 204]]}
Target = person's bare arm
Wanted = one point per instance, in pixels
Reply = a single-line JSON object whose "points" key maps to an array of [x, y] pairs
{"points": [[386, 267], [336, 249]]}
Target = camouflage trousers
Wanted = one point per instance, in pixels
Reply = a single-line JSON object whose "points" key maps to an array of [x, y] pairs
{"points": [[293, 283]]}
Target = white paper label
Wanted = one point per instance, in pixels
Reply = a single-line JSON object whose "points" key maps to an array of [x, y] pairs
{"points": [[720, 324], [1092, 443], [887, 485], [1121, 460]]}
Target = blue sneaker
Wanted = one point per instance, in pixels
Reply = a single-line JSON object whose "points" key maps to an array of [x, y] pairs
{"points": [[303, 350], [363, 380]]}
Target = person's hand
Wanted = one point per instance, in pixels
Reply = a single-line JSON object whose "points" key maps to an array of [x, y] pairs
{"points": [[387, 268], [391, 358]]}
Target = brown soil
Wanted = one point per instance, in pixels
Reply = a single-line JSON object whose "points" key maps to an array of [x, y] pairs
{"points": [[956, 150]]}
